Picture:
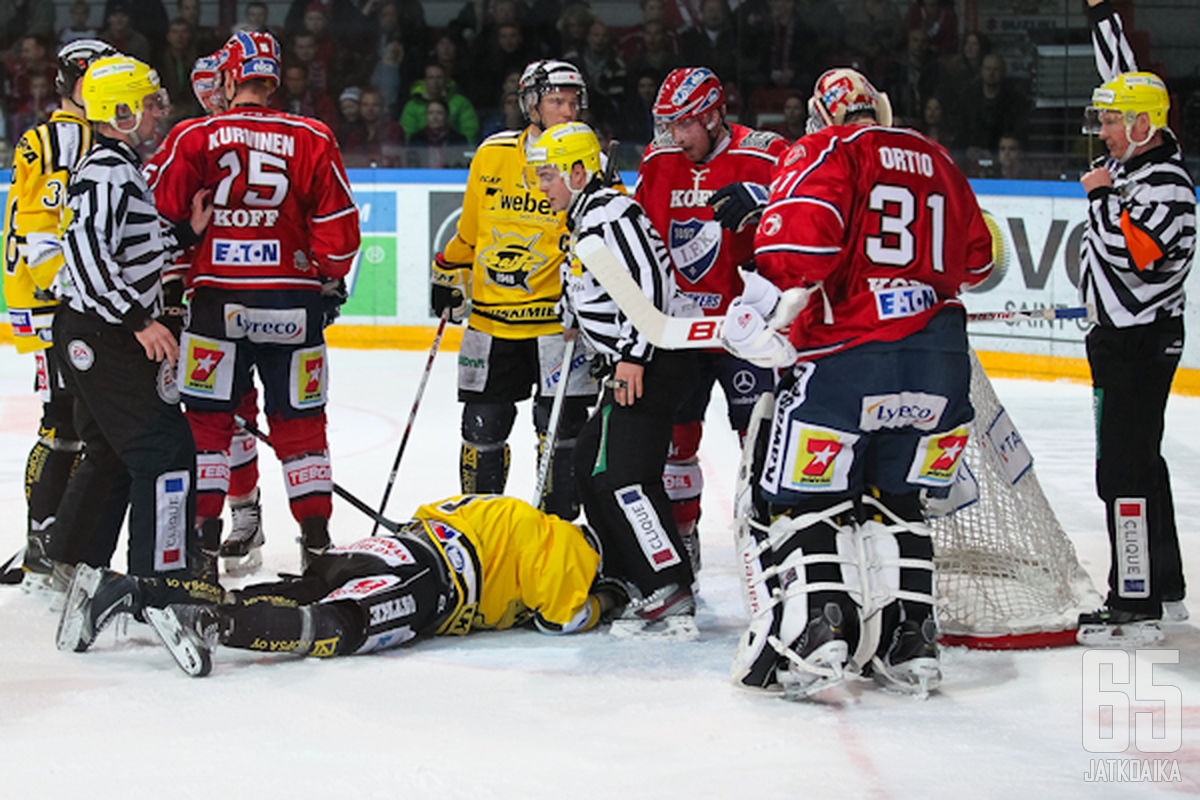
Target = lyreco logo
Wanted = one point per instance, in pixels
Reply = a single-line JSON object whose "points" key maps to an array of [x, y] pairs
{"points": [[268, 325], [904, 410]]}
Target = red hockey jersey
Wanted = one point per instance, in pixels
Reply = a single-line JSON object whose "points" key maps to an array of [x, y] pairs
{"points": [[283, 213], [884, 218], [674, 191]]}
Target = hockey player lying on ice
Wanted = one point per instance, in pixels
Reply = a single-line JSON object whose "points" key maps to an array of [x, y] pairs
{"points": [[468, 562]]}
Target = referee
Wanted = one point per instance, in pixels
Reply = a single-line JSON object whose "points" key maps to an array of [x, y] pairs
{"points": [[1136, 255], [119, 359]]}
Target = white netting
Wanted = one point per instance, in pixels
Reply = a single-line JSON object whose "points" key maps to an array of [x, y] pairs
{"points": [[1004, 565]]}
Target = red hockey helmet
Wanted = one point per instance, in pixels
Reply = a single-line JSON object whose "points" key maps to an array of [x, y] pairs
{"points": [[252, 55], [844, 92], [204, 80], [688, 92]]}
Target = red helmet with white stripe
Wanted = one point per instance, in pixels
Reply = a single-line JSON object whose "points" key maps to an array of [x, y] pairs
{"points": [[688, 92], [251, 55]]}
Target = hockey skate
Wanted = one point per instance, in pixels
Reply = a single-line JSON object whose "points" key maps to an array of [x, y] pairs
{"points": [[910, 664], [1174, 611], [314, 539], [817, 660], [242, 550], [94, 598], [1112, 627], [668, 613], [190, 633]]}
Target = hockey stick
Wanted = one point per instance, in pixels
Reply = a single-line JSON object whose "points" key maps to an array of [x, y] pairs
{"points": [[257, 433], [412, 417], [1085, 312], [560, 393]]}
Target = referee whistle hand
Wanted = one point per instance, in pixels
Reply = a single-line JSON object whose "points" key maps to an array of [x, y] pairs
{"points": [[1096, 178], [157, 341]]}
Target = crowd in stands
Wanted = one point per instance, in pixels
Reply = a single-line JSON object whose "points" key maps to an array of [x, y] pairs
{"points": [[399, 92]]}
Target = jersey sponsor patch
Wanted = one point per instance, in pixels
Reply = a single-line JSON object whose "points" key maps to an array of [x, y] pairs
{"points": [[212, 472], [245, 252], [707, 301], [694, 245], [171, 520], [387, 548], [81, 354], [901, 410], [579, 378], [268, 325], [308, 377], [361, 587], [1006, 442], [647, 527], [1133, 563], [897, 302], [935, 462], [309, 474], [816, 458], [206, 367], [21, 321]]}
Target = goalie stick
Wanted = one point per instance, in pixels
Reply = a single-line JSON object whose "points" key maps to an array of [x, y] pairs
{"points": [[380, 520]]}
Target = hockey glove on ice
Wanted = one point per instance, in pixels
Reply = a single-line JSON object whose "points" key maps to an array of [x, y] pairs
{"points": [[449, 288], [333, 295], [739, 204]]}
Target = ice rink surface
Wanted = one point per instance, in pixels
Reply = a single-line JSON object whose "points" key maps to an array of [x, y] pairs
{"points": [[515, 714]]}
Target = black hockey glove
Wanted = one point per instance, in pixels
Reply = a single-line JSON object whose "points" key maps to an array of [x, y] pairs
{"points": [[174, 312], [449, 286], [739, 204], [333, 294]]}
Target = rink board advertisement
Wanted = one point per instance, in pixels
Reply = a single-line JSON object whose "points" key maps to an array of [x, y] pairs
{"points": [[1037, 227]]}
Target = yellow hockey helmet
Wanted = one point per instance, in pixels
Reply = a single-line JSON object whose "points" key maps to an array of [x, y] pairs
{"points": [[1131, 93], [563, 146], [116, 88]]}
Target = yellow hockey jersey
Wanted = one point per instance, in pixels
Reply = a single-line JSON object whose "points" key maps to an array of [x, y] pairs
{"points": [[511, 237], [524, 565], [42, 165]]}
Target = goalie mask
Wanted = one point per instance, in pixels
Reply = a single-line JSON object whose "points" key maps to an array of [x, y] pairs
{"points": [[562, 147], [1130, 94], [842, 93], [548, 75], [204, 81], [118, 89]]}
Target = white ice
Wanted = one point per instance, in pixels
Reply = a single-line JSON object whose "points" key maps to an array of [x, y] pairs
{"points": [[515, 714]]}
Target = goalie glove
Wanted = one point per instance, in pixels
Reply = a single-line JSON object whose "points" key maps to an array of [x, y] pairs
{"points": [[739, 204], [449, 287], [333, 295]]}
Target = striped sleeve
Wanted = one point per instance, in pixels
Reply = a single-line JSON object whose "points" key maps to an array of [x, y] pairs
{"points": [[1114, 56]]}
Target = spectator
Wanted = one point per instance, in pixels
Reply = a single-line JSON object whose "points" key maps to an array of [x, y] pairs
{"points": [[256, 20], [507, 118], [383, 138], [1010, 163], [603, 72], [332, 50], [503, 51], [345, 21], [392, 75], [962, 69], [572, 26], [938, 20], [828, 25], [37, 106], [631, 42], [296, 96], [935, 127], [461, 114], [80, 26], [25, 18], [659, 53], [911, 79], [795, 115], [30, 60], [993, 106], [775, 46], [476, 16], [436, 144], [350, 129], [204, 37], [120, 33], [306, 52], [637, 110], [147, 17], [873, 29], [451, 53], [175, 70], [386, 19], [713, 42]]}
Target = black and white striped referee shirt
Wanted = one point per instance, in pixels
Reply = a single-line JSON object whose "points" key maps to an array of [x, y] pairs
{"points": [[626, 230], [116, 244], [1150, 210]]}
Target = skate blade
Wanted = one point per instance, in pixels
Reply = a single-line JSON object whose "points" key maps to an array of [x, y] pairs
{"points": [[1174, 611], [1134, 635], [36, 583], [193, 657], [677, 629], [823, 669], [237, 566], [917, 677], [71, 634]]}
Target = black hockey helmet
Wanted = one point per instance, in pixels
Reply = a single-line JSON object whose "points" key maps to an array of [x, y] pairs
{"points": [[73, 60], [548, 75]]}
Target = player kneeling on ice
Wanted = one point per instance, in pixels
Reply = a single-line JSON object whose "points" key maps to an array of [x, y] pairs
{"points": [[623, 447], [877, 228], [469, 562]]}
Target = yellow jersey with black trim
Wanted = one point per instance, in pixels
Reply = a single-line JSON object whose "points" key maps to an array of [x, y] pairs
{"points": [[529, 566], [511, 237], [42, 164]]}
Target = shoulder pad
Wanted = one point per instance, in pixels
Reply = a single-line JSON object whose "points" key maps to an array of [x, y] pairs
{"points": [[759, 140], [502, 139]]}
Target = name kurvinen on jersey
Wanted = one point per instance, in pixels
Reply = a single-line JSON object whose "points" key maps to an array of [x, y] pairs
{"points": [[268, 141]]}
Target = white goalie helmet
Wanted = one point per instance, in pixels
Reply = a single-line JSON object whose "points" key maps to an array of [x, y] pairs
{"points": [[842, 93]]}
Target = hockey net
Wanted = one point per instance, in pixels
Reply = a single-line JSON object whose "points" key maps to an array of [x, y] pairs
{"points": [[1007, 574]]}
